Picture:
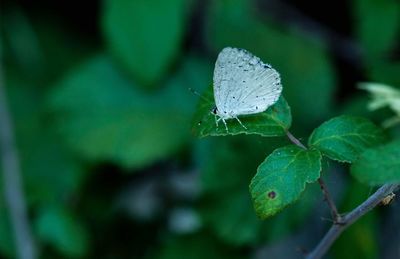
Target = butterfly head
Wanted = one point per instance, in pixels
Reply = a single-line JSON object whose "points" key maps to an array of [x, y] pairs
{"points": [[221, 114]]}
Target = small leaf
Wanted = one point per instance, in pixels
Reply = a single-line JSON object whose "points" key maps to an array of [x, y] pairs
{"points": [[272, 122], [344, 138], [145, 35], [379, 165], [282, 177], [382, 96]]}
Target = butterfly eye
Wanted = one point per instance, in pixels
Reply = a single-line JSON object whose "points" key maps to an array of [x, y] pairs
{"points": [[214, 110]]}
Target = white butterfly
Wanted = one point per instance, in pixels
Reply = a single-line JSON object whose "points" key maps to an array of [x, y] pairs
{"points": [[243, 85]]}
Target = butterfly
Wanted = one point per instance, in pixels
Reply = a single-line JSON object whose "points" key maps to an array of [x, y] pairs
{"points": [[243, 85]]}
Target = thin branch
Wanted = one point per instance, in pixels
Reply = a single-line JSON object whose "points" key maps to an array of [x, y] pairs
{"points": [[13, 192], [334, 211], [341, 223], [295, 140], [350, 218]]}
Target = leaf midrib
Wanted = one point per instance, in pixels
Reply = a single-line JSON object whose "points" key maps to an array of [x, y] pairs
{"points": [[341, 136]]}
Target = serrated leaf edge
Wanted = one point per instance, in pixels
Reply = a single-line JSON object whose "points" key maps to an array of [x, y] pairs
{"points": [[303, 186]]}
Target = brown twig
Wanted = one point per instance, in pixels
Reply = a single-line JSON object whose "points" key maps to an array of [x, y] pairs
{"points": [[334, 211], [349, 219], [341, 223], [13, 191], [295, 140]]}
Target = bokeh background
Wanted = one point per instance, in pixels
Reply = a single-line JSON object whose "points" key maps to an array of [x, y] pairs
{"points": [[98, 93]]}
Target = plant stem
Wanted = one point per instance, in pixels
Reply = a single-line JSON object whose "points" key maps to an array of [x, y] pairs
{"points": [[295, 140], [335, 214], [341, 223], [350, 218], [14, 196], [327, 196]]}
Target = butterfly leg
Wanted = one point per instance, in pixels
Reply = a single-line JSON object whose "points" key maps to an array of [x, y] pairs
{"points": [[217, 120], [240, 123], [226, 126]]}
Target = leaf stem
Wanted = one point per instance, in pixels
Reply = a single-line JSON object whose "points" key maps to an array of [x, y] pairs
{"points": [[350, 218], [295, 140], [13, 192], [334, 211], [327, 196]]}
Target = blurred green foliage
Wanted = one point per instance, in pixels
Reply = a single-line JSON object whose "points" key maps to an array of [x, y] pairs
{"points": [[378, 165], [145, 35], [104, 115]]}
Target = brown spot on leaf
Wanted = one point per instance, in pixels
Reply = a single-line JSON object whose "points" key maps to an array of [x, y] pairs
{"points": [[272, 195]]}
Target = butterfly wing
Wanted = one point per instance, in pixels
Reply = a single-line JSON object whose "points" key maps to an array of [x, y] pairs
{"points": [[243, 84]]}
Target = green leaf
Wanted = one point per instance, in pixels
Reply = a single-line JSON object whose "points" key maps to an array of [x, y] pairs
{"points": [[145, 35], [59, 228], [272, 122], [379, 165], [345, 137], [282, 177], [308, 77], [377, 26], [104, 117]]}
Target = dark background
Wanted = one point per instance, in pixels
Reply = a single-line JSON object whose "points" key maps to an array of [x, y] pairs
{"points": [[98, 93]]}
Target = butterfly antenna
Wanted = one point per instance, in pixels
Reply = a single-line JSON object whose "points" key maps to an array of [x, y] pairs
{"points": [[199, 95]]}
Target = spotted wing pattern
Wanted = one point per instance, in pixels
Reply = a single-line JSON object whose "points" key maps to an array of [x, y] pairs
{"points": [[243, 84]]}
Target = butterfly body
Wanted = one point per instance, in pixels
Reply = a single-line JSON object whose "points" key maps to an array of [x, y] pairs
{"points": [[243, 85]]}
